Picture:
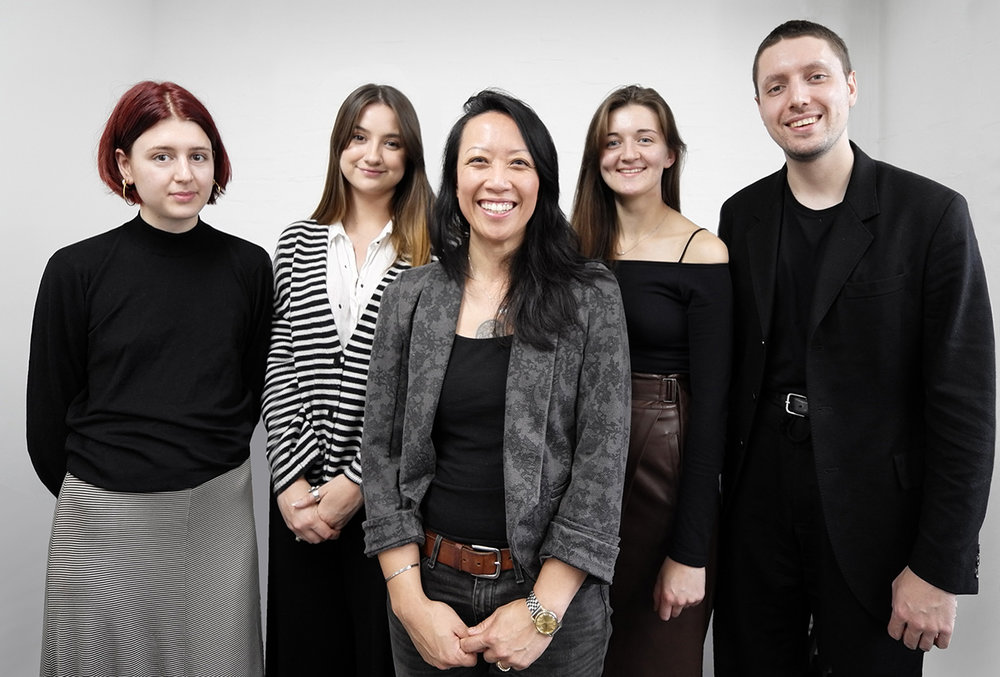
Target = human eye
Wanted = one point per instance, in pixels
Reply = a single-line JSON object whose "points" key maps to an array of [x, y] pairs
{"points": [[393, 144], [818, 77], [613, 143], [521, 163], [646, 140], [199, 157], [161, 157], [774, 89]]}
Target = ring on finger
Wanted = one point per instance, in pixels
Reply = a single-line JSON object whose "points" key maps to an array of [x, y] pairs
{"points": [[314, 492], [502, 668]]}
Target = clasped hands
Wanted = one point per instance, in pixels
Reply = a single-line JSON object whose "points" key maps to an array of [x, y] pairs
{"points": [[444, 641], [317, 521]]}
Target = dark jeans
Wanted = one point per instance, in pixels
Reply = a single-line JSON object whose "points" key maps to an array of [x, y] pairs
{"points": [[576, 650], [778, 573]]}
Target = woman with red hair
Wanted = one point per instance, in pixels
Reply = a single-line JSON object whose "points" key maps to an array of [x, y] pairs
{"points": [[144, 383]]}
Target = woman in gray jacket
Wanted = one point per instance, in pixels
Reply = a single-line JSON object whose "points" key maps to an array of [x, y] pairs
{"points": [[497, 420]]}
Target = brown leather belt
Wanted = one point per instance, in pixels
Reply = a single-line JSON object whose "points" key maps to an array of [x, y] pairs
{"points": [[478, 560]]}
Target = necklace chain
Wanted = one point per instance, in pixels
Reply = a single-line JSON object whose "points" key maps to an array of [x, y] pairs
{"points": [[622, 252]]}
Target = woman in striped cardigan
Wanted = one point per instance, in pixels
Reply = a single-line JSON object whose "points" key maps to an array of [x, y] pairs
{"points": [[324, 596]]}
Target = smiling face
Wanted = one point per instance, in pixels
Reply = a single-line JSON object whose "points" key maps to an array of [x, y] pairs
{"points": [[497, 182], [171, 165], [805, 97], [635, 152], [374, 161]]}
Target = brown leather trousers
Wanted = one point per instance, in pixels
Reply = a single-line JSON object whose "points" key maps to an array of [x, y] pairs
{"points": [[641, 643]]}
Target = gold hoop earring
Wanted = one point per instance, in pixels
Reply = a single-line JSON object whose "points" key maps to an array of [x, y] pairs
{"points": [[218, 188], [125, 185]]}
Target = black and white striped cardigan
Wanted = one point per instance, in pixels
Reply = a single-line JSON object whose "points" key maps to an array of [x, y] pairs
{"points": [[314, 391]]}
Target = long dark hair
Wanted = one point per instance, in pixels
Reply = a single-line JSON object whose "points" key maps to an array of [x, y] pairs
{"points": [[539, 301], [595, 218], [411, 201]]}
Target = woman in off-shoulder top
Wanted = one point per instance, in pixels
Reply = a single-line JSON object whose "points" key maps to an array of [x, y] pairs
{"points": [[675, 286]]}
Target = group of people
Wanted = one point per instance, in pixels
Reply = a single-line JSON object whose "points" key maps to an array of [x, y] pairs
{"points": [[496, 434]]}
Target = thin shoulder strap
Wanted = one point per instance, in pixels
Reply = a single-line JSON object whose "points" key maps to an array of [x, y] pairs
{"points": [[688, 244]]}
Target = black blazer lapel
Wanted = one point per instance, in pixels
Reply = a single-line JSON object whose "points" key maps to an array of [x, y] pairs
{"points": [[762, 247], [849, 238]]}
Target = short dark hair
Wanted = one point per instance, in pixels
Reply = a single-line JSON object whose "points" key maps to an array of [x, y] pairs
{"points": [[539, 301], [800, 28], [142, 106]]}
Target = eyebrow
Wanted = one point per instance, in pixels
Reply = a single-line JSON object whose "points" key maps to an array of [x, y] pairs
{"points": [[818, 64], [359, 128], [160, 148], [638, 131], [481, 149]]}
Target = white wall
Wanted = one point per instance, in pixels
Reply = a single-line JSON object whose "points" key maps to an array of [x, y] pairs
{"points": [[273, 77]]}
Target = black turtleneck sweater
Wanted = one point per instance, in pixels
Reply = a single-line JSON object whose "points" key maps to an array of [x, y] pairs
{"points": [[147, 358]]}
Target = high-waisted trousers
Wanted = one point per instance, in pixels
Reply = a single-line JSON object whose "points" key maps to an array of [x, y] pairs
{"points": [[642, 644]]}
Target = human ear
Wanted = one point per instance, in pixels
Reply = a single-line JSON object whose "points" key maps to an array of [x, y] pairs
{"points": [[124, 166]]}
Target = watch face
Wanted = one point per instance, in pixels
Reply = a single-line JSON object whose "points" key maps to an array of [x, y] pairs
{"points": [[546, 623]]}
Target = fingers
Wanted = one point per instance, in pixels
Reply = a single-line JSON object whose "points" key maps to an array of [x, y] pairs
{"points": [[473, 644], [308, 526], [309, 498]]}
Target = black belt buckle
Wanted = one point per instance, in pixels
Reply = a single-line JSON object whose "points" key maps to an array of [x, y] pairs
{"points": [[797, 405]]}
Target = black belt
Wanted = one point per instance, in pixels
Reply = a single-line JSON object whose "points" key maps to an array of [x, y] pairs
{"points": [[792, 403]]}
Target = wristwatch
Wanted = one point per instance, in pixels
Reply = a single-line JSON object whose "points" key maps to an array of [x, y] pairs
{"points": [[546, 622]]}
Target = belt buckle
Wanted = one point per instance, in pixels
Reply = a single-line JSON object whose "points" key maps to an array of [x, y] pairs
{"points": [[796, 404], [496, 553]]}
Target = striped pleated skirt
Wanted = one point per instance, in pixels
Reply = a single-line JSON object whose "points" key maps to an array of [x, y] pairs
{"points": [[157, 584]]}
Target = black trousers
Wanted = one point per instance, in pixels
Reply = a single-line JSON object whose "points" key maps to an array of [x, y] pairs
{"points": [[779, 578], [325, 606]]}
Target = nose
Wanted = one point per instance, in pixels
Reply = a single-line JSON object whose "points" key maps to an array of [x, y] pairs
{"points": [[630, 151], [373, 153], [798, 94], [182, 170], [498, 179]]}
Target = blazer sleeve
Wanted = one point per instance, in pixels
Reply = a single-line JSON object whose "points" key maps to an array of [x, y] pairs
{"points": [[391, 520], [584, 530], [57, 366], [959, 380], [292, 443]]}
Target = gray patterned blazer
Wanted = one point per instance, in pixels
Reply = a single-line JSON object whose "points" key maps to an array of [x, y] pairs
{"points": [[565, 430]]}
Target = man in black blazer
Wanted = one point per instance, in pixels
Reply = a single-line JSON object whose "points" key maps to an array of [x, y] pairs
{"points": [[861, 429]]}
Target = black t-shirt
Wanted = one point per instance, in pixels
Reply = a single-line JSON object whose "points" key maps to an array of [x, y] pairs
{"points": [[465, 501], [804, 233]]}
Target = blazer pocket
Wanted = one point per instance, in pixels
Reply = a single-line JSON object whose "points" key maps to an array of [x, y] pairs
{"points": [[867, 288]]}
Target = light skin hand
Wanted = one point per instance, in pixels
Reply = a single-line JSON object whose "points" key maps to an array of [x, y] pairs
{"points": [[434, 627], [299, 510], [340, 500], [436, 632], [678, 586], [923, 616], [508, 635]]}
